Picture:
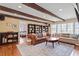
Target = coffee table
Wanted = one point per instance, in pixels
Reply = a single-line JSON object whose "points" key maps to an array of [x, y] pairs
{"points": [[52, 40]]}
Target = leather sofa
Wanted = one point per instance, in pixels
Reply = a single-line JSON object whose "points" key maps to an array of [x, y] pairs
{"points": [[37, 38]]}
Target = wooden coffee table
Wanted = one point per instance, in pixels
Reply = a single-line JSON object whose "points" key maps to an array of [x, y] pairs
{"points": [[52, 40]]}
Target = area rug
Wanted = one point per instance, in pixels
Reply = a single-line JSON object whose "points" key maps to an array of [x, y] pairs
{"points": [[46, 50]]}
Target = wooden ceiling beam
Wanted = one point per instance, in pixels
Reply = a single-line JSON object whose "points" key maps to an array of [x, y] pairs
{"points": [[41, 9], [21, 18], [21, 13]]}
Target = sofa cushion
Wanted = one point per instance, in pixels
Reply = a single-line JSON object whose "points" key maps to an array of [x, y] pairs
{"points": [[68, 41], [74, 36], [41, 38], [65, 35], [39, 35]]}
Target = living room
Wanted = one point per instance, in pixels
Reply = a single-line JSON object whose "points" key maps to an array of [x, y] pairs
{"points": [[42, 29]]}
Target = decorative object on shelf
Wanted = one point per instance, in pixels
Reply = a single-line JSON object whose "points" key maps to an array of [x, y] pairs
{"points": [[14, 26]]}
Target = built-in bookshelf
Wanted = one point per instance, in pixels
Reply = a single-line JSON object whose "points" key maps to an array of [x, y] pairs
{"points": [[45, 28], [38, 29], [33, 28], [8, 37]]}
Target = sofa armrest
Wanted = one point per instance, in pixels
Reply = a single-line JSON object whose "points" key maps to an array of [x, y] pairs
{"points": [[32, 37], [68, 40]]}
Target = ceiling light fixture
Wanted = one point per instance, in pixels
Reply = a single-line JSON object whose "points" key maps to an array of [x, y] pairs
{"points": [[19, 6], [60, 9]]}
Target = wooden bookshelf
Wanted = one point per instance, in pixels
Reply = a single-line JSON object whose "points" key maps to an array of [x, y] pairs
{"points": [[8, 37], [33, 28]]}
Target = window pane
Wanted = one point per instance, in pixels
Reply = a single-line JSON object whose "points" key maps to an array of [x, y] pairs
{"points": [[64, 29], [70, 28], [59, 28], [76, 28], [53, 28]]}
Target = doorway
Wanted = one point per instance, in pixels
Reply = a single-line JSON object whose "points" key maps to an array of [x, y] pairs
{"points": [[22, 32]]}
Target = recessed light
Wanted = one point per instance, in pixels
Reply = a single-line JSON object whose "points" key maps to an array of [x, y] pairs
{"points": [[19, 6], [60, 9]]}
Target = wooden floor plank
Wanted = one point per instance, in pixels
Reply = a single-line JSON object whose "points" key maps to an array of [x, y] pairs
{"points": [[9, 50]]}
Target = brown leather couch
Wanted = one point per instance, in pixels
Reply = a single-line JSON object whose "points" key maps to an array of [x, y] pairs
{"points": [[36, 38]]}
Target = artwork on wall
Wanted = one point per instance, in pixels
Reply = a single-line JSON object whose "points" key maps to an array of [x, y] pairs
{"points": [[13, 26]]}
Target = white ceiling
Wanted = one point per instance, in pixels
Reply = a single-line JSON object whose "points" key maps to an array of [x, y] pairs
{"points": [[67, 9], [66, 13]]}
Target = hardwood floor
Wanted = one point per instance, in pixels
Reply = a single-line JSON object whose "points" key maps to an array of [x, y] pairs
{"points": [[9, 50], [12, 50]]}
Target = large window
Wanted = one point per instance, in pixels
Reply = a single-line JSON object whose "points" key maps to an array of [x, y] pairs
{"points": [[71, 28], [59, 28], [53, 28], [76, 28], [64, 28]]}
